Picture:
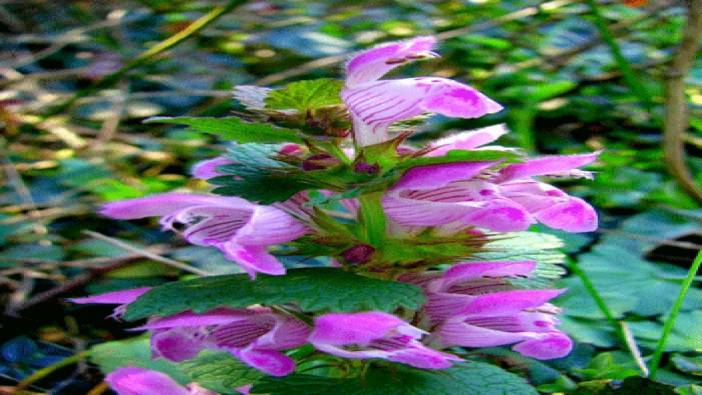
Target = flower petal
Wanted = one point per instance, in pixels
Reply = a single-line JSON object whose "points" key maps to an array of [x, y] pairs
{"points": [[210, 225], [353, 328], [115, 297], [270, 225], [422, 357], [545, 165], [207, 169], [272, 362], [371, 64], [131, 380], [471, 270], [376, 105], [467, 140], [176, 345], [165, 204], [253, 259], [218, 316], [459, 333], [547, 346], [433, 176]]}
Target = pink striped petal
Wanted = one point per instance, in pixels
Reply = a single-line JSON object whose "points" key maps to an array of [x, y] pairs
{"points": [[115, 297], [166, 204], [433, 176], [472, 270], [211, 224], [371, 64], [207, 169], [270, 225], [467, 140], [218, 316], [131, 380], [545, 165], [458, 333], [376, 105]]}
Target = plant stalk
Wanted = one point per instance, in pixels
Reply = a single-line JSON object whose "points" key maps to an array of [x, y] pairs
{"points": [[672, 317]]}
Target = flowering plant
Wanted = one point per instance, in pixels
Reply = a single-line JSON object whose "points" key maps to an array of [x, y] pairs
{"points": [[406, 249]]}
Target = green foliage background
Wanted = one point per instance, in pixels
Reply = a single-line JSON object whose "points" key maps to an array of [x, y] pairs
{"points": [[545, 61]]}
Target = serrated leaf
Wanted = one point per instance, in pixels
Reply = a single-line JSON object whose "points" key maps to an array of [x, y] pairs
{"points": [[219, 371], [467, 378], [305, 95], [234, 129], [313, 289], [133, 352], [260, 189]]}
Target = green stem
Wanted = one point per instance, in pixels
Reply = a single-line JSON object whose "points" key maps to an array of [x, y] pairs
{"points": [[146, 56], [599, 301], [670, 321], [373, 218], [627, 71], [43, 372]]}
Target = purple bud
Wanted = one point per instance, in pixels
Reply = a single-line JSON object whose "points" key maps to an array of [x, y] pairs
{"points": [[358, 254], [367, 168], [319, 161]]}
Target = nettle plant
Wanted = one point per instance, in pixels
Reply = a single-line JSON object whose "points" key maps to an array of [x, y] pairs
{"points": [[413, 258]]}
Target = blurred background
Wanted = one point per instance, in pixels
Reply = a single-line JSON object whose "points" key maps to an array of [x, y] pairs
{"points": [[77, 78]]}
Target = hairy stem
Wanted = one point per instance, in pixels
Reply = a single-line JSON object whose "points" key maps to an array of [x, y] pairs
{"points": [[676, 117], [674, 311]]}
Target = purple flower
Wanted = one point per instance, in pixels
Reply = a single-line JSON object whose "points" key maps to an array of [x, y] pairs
{"points": [[131, 380], [255, 336], [472, 305], [376, 335], [207, 169], [240, 229], [375, 104], [121, 298], [462, 194]]}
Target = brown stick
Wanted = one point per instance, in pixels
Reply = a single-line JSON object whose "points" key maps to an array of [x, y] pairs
{"points": [[676, 111]]}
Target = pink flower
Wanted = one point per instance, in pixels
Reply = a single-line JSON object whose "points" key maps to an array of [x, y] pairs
{"points": [[121, 298], [457, 195], [471, 305], [376, 335], [375, 104], [255, 336], [207, 169], [131, 380], [240, 229]]}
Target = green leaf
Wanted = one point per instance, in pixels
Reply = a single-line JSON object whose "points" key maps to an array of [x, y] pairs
{"points": [[305, 95], [134, 352], [219, 371], [234, 129], [263, 189], [462, 156], [313, 289], [256, 176], [467, 378], [691, 365]]}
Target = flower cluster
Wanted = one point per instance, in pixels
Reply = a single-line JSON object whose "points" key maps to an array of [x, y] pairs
{"points": [[417, 216]]}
